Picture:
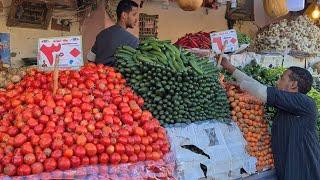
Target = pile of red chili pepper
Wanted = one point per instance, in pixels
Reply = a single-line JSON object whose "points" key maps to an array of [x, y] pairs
{"points": [[197, 40]]}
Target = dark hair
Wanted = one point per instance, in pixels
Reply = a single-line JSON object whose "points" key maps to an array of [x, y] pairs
{"points": [[303, 77], [125, 6]]}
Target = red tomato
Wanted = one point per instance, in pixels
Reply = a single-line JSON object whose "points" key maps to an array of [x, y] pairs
{"points": [[100, 148], [120, 148], [41, 157], [9, 170], [110, 149], [115, 158], [19, 140], [57, 144], [133, 158], [26, 148], [68, 140], [124, 158], [38, 129], [17, 160], [123, 140], [127, 119], [23, 170], [75, 161], [94, 160], [81, 140], [37, 168], [138, 131], [141, 156], [145, 140], [104, 158], [64, 163], [13, 131], [91, 149], [45, 142], [156, 156], [29, 159], [80, 151], [136, 148], [68, 153], [56, 154], [129, 149], [105, 141], [85, 161]]}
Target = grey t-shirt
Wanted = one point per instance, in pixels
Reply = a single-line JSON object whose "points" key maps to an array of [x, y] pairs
{"points": [[107, 42]]}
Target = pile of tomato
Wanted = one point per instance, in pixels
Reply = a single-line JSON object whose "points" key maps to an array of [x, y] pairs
{"points": [[94, 118]]}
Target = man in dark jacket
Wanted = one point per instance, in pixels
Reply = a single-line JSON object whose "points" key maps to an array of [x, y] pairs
{"points": [[295, 143], [117, 35]]}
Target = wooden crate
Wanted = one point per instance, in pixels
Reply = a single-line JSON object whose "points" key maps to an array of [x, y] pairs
{"points": [[148, 26]]}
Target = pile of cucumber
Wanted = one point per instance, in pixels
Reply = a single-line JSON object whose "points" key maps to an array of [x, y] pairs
{"points": [[177, 86]]}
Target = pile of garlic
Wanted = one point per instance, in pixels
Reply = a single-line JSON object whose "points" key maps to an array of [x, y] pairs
{"points": [[299, 34]]}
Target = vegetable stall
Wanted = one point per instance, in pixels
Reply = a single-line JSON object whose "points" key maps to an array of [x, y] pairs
{"points": [[163, 112]]}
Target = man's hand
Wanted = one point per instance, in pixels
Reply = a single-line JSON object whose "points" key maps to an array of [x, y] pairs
{"points": [[226, 64]]}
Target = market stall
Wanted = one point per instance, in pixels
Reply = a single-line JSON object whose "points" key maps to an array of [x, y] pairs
{"points": [[165, 111]]}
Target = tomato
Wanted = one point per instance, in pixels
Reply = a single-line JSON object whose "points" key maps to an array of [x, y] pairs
{"points": [[9, 170], [100, 148], [129, 149], [41, 157], [90, 138], [81, 140], [6, 159], [105, 141], [141, 156], [68, 140], [13, 131], [97, 133], [98, 116], [56, 154], [17, 160], [110, 149], [145, 140], [80, 151], [38, 129], [156, 156], [91, 149], [50, 164], [45, 142], [37, 168], [133, 158], [94, 160], [29, 159], [108, 119], [57, 144], [138, 131], [115, 158], [23, 170], [120, 148], [64, 163], [142, 147], [68, 153], [108, 111], [19, 140], [131, 140], [85, 161], [26, 148], [59, 110], [47, 110], [75, 161], [156, 147]]}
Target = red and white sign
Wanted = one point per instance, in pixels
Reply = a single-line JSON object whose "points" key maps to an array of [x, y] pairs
{"points": [[69, 50], [218, 39]]}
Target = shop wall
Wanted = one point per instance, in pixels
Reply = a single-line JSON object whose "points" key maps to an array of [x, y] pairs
{"points": [[174, 22], [23, 41]]}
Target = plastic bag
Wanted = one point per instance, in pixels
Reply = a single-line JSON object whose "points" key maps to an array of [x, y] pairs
{"points": [[162, 169]]}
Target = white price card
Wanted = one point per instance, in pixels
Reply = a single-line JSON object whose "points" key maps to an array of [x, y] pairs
{"points": [[69, 50], [218, 39]]}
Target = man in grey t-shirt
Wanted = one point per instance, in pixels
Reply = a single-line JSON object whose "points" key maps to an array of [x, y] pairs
{"points": [[117, 35]]}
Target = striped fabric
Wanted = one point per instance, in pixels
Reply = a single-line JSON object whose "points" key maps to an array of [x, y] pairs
{"points": [[295, 142]]}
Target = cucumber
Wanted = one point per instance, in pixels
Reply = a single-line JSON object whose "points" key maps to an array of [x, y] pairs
{"points": [[128, 48]]}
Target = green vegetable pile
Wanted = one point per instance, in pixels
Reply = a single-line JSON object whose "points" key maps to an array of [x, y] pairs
{"points": [[176, 85], [266, 76], [314, 94], [243, 38]]}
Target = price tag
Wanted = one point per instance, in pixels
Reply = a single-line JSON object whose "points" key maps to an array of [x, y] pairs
{"points": [[5, 48], [69, 50], [218, 38]]}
